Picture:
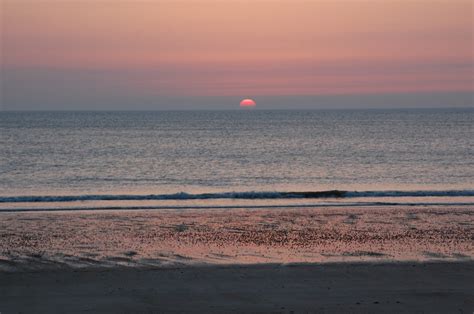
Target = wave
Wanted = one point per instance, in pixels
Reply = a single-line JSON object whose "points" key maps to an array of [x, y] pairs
{"points": [[236, 195]]}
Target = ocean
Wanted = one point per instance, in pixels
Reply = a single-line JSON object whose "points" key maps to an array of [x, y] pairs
{"points": [[235, 159]]}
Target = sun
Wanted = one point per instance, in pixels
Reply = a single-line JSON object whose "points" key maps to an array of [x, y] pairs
{"points": [[247, 103]]}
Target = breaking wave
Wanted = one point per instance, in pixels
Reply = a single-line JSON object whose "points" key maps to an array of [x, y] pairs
{"points": [[237, 195]]}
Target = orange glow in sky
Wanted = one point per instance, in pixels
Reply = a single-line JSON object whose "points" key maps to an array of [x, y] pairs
{"points": [[219, 48]]}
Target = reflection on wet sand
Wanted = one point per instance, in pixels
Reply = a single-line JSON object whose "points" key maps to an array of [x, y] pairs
{"points": [[168, 238]]}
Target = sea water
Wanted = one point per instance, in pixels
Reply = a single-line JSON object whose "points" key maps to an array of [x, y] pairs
{"points": [[251, 158]]}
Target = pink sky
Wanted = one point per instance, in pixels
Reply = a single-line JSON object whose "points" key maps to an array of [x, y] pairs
{"points": [[233, 48]]}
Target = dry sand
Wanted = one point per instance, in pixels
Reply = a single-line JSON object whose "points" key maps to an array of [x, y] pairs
{"points": [[328, 288]]}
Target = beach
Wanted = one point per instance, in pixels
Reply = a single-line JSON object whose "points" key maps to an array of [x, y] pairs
{"points": [[294, 260], [266, 288], [31, 241]]}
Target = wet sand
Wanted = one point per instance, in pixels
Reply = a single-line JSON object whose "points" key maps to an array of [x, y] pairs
{"points": [[56, 240], [265, 288]]}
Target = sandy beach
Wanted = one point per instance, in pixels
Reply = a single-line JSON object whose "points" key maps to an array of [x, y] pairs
{"points": [[37, 241], [267, 288], [319, 260]]}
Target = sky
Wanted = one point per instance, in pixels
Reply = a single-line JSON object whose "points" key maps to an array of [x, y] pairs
{"points": [[193, 54]]}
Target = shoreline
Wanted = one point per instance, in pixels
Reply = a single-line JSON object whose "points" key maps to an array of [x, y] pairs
{"points": [[399, 287], [231, 207]]}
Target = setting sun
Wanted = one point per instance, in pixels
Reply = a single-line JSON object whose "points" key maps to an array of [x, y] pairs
{"points": [[247, 103]]}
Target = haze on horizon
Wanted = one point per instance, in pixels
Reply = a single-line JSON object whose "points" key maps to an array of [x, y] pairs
{"points": [[152, 55]]}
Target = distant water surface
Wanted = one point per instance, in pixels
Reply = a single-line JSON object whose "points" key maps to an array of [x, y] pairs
{"points": [[86, 155]]}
